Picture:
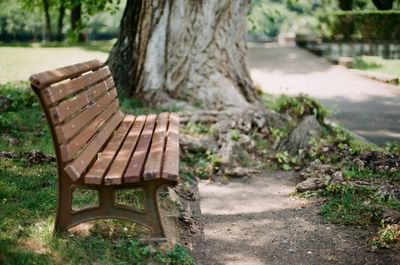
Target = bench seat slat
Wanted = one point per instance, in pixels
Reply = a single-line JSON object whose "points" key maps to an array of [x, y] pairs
{"points": [[136, 164], [153, 164], [67, 130], [171, 156], [97, 171], [118, 166], [44, 79], [77, 167], [71, 148], [78, 102]]}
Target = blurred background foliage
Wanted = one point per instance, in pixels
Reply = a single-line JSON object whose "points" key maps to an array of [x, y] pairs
{"points": [[25, 20], [85, 20], [329, 19]]}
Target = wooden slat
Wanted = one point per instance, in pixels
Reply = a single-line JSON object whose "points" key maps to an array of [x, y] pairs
{"points": [[76, 168], [97, 171], [67, 130], [57, 92], [170, 169], [75, 104], [70, 149], [118, 166], [152, 169], [136, 163], [47, 78]]}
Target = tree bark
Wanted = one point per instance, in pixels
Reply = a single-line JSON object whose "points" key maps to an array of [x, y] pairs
{"points": [[60, 24], [383, 4], [47, 19], [346, 5], [76, 16], [185, 50]]}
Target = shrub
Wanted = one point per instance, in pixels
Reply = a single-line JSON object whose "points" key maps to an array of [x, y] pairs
{"points": [[357, 25]]}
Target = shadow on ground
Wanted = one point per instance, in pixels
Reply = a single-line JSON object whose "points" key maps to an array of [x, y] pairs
{"points": [[259, 223]]}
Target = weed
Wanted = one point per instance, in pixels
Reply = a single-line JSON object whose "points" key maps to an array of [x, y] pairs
{"points": [[285, 160], [388, 235], [234, 135], [350, 206], [298, 107], [196, 128]]}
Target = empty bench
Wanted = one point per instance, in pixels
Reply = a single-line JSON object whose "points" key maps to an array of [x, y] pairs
{"points": [[98, 147]]}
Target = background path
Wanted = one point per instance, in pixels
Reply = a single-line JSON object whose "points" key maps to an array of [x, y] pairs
{"points": [[368, 108], [257, 222]]}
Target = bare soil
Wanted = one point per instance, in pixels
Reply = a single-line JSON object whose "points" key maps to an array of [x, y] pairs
{"points": [[256, 221]]}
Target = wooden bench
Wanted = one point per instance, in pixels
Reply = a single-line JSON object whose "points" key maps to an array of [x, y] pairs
{"points": [[97, 147]]}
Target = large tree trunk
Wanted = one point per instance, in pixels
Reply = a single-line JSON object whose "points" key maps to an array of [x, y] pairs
{"points": [[60, 23], [47, 19], [76, 17], [186, 50]]}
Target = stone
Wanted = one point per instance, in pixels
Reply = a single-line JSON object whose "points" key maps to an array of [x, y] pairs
{"points": [[308, 129], [239, 171], [310, 184], [5, 104], [337, 177], [195, 144], [390, 216]]}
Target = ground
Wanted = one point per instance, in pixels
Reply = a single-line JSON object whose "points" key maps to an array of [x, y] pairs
{"points": [[258, 222], [367, 107]]}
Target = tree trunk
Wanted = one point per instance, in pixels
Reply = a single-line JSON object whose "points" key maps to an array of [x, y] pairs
{"points": [[185, 50], [60, 24], [47, 19], [76, 16], [346, 5], [383, 4]]}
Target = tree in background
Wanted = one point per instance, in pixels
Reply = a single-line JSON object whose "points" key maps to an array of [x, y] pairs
{"points": [[46, 7], [185, 50], [346, 5], [383, 4], [60, 21]]}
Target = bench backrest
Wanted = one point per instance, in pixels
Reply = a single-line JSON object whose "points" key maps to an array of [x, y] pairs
{"points": [[81, 106]]}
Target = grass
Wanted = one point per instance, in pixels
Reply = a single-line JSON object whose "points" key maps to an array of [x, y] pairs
{"points": [[28, 203], [18, 62], [378, 64]]}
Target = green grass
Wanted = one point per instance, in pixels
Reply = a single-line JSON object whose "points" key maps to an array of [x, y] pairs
{"points": [[355, 205], [378, 64], [28, 204], [18, 62]]}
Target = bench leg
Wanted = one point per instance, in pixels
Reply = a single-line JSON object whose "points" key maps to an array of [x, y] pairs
{"points": [[151, 218], [153, 211], [63, 217]]}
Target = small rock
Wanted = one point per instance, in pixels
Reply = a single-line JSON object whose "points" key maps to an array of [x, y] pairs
{"points": [[337, 177], [197, 143], [4, 104], [239, 171], [291, 250], [310, 184], [391, 216]]}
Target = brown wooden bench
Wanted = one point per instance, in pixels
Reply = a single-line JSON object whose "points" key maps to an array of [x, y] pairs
{"points": [[98, 147]]}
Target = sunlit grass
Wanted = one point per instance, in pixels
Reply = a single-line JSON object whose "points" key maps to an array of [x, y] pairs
{"points": [[378, 64], [28, 198], [18, 62]]}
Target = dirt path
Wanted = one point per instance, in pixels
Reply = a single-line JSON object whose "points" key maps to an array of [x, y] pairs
{"points": [[257, 222], [367, 107]]}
